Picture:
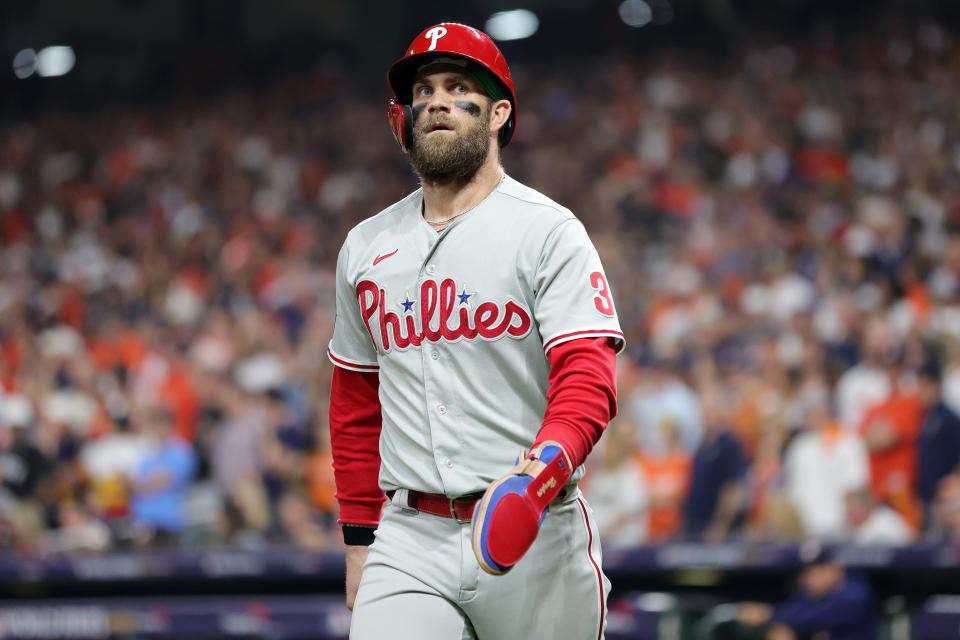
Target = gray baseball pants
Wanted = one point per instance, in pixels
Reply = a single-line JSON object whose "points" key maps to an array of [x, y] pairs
{"points": [[421, 581]]}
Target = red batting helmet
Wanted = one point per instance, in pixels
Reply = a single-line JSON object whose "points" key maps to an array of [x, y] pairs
{"points": [[451, 38]]}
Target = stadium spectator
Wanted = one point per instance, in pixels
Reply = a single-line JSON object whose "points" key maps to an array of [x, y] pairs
{"points": [[321, 487], [831, 601], [22, 465], [772, 514], [891, 430], [110, 463], [821, 465], [945, 514], [618, 490], [77, 531], [758, 400], [162, 479], [236, 445], [664, 396], [868, 522], [865, 384], [939, 444], [715, 500], [25, 474], [667, 476]]}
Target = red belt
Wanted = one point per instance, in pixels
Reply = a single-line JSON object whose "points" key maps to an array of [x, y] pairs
{"points": [[437, 504]]}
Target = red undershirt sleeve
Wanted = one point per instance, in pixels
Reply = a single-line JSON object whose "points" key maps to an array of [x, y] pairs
{"points": [[582, 398], [355, 443]]}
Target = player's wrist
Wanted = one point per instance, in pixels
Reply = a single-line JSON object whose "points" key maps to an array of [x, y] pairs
{"points": [[569, 435], [547, 450], [357, 535]]}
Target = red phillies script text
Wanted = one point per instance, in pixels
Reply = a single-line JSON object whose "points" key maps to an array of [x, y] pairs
{"points": [[436, 316]]}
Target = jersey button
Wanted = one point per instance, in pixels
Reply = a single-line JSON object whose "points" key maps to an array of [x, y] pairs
{"points": [[431, 269], [442, 409], [435, 355], [448, 462]]}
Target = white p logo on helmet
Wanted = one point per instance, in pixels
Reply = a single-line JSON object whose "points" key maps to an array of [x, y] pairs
{"points": [[435, 34]]}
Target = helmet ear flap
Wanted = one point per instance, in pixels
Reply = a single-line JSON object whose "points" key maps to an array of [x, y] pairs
{"points": [[401, 121]]}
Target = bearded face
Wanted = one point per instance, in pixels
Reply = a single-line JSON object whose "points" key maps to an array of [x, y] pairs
{"points": [[452, 156]]}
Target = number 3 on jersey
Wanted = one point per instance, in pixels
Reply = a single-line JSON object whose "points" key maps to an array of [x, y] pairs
{"points": [[602, 301]]}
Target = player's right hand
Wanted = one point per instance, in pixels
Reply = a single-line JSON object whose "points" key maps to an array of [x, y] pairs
{"points": [[356, 556]]}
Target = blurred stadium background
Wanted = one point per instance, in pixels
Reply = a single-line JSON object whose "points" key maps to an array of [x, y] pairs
{"points": [[774, 188]]}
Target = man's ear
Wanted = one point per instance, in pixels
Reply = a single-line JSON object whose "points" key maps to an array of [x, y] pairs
{"points": [[499, 114]]}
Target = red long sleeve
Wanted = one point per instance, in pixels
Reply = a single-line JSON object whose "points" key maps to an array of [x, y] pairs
{"points": [[582, 398], [355, 441]]}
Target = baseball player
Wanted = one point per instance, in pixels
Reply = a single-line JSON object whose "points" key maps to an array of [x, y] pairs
{"points": [[474, 323]]}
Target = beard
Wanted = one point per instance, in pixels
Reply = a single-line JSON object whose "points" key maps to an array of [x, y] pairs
{"points": [[442, 159]]}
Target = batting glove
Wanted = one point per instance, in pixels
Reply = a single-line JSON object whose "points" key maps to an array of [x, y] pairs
{"points": [[508, 517]]}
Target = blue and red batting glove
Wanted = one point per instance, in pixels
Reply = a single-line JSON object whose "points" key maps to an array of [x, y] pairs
{"points": [[508, 517]]}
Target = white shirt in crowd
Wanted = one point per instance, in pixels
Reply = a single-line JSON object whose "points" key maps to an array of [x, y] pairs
{"points": [[617, 493], [858, 389], [951, 389], [116, 454], [673, 401], [819, 473], [884, 527]]}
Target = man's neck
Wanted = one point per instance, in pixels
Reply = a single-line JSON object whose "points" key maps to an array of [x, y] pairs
{"points": [[443, 201]]}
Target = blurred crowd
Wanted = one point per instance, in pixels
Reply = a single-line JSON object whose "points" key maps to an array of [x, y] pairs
{"points": [[780, 229]]}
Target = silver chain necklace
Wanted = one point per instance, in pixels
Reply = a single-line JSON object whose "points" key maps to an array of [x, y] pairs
{"points": [[437, 223]]}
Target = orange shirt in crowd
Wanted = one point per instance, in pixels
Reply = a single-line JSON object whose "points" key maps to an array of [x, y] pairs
{"points": [[893, 472], [178, 394], [747, 422], [131, 350], [320, 481], [11, 355], [667, 478], [127, 349]]}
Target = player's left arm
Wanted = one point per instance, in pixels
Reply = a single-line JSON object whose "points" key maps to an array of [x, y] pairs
{"points": [[582, 398], [575, 313], [581, 334]]}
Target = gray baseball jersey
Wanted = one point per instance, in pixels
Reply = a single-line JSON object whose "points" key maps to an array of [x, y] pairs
{"points": [[458, 324]]}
